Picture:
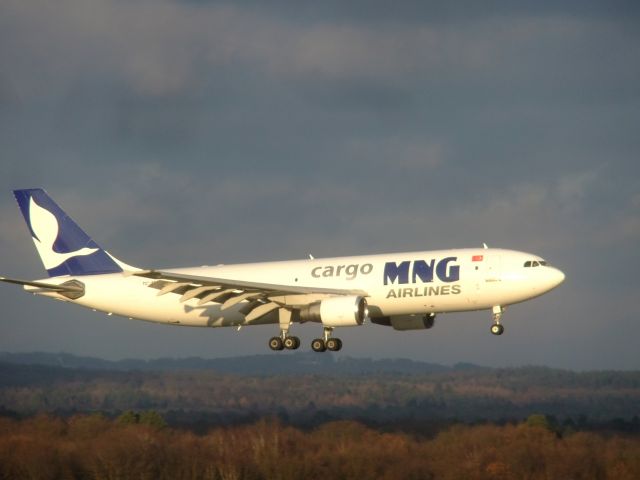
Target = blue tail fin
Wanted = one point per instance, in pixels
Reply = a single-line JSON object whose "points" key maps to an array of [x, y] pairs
{"points": [[63, 247]]}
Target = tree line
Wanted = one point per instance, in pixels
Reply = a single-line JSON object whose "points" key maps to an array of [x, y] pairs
{"points": [[467, 395], [140, 445]]}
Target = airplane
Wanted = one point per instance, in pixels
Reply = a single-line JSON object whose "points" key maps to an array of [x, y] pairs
{"points": [[404, 291]]}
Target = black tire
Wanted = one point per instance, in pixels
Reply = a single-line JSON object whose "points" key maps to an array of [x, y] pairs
{"points": [[318, 345], [497, 329], [297, 344], [334, 344], [290, 343], [275, 343]]}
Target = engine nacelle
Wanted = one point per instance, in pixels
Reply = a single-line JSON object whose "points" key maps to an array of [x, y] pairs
{"points": [[407, 322], [336, 311]]}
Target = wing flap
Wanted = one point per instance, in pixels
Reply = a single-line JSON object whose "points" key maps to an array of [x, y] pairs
{"points": [[196, 292], [230, 302], [172, 287], [261, 311]]}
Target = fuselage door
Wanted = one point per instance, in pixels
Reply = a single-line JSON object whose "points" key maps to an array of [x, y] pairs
{"points": [[484, 274], [492, 270]]}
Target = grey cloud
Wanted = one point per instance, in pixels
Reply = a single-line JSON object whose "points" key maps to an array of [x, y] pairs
{"points": [[165, 47], [185, 133]]}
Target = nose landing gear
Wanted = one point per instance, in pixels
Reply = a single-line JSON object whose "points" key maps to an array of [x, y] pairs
{"points": [[497, 328]]}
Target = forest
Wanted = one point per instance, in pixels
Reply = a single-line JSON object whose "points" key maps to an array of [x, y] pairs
{"points": [[141, 446], [264, 417], [376, 393]]}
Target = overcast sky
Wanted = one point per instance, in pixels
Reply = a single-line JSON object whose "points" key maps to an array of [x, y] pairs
{"points": [[199, 132]]}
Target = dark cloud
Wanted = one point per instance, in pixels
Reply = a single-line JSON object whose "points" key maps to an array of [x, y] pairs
{"points": [[204, 132], [429, 11]]}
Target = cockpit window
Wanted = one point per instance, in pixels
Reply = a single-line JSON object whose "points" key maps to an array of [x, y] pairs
{"points": [[535, 263]]}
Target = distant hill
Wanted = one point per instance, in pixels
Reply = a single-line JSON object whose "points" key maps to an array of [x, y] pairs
{"points": [[308, 389], [269, 364]]}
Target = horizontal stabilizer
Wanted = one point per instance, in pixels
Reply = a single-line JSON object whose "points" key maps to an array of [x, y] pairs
{"points": [[65, 287]]}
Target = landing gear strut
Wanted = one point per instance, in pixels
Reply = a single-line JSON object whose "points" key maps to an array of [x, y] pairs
{"points": [[284, 340], [497, 328], [327, 342]]}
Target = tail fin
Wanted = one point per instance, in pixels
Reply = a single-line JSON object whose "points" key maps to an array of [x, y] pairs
{"points": [[62, 245]]}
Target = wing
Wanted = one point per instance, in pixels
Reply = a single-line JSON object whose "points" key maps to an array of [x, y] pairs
{"points": [[260, 298]]}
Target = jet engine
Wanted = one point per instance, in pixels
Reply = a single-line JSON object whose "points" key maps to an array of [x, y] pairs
{"points": [[348, 311]]}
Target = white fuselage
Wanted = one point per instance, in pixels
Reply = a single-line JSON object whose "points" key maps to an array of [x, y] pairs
{"points": [[398, 284]]}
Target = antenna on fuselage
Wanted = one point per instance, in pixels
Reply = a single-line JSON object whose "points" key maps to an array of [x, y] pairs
{"points": [[484, 245]]}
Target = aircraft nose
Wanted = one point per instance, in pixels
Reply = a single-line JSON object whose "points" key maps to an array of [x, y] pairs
{"points": [[556, 277]]}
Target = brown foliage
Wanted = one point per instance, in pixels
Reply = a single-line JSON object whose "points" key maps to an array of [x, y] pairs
{"points": [[93, 447]]}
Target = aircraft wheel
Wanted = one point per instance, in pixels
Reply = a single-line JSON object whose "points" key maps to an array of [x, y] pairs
{"points": [[275, 343], [334, 344], [291, 343], [318, 345], [429, 320], [497, 329]]}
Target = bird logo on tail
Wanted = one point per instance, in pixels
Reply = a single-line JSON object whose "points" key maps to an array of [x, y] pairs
{"points": [[63, 247], [45, 228]]}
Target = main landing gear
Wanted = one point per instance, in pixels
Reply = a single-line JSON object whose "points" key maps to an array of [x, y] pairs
{"points": [[327, 342], [497, 328], [284, 341]]}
